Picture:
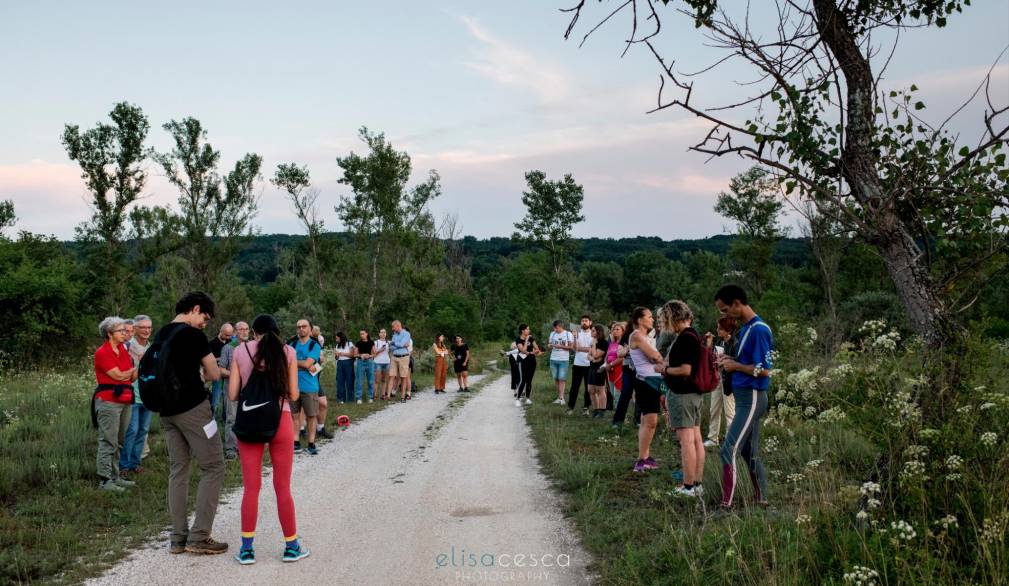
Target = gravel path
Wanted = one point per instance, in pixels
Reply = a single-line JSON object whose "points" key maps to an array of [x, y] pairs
{"points": [[441, 490]]}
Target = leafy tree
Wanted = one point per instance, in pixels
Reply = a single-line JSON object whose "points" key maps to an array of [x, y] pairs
{"points": [[552, 210], [7, 217], [752, 202]]}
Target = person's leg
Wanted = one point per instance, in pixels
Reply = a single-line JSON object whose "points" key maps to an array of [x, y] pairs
{"points": [[578, 374], [358, 380], [283, 462], [251, 458], [624, 400], [216, 390], [715, 411], [699, 455], [559, 370], [108, 439], [230, 441], [750, 451], [513, 367], [688, 459], [210, 458], [369, 372], [320, 420], [729, 407], [126, 454], [645, 434], [125, 417], [179, 469], [735, 437], [143, 429]]}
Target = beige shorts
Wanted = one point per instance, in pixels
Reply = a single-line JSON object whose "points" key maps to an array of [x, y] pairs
{"points": [[307, 402], [400, 366]]}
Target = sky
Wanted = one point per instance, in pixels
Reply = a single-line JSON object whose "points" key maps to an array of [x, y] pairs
{"points": [[480, 91]]}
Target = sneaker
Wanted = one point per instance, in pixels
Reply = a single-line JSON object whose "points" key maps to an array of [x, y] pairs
{"points": [[246, 557], [639, 466], [177, 548], [409, 397], [293, 555], [312, 450], [207, 547], [710, 444], [559, 402], [324, 434], [698, 490], [124, 483], [585, 411], [677, 476], [651, 464], [302, 433], [529, 401], [569, 412], [518, 402], [682, 492], [371, 400], [359, 401], [111, 486]]}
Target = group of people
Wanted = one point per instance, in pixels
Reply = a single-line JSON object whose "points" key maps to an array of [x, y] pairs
{"points": [[656, 361]]}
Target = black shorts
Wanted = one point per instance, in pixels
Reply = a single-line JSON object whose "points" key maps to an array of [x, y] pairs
{"points": [[459, 367], [596, 378], [646, 397]]}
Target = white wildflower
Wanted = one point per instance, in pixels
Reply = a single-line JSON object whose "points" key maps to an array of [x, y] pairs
{"points": [[989, 438], [861, 576], [903, 530]]}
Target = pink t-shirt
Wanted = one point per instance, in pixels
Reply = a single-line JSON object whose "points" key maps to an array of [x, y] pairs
{"points": [[243, 361]]}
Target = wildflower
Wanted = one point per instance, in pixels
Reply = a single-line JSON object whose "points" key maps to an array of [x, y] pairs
{"points": [[873, 503], [861, 576], [811, 335], [916, 452], [832, 415], [965, 409], [993, 529], [986, 406], [903, 531], [989, 438], [913, 469], [947, 522], [796, 477], [862, 515], [803, 520], [870, 489], [771, 445], [954, 476], [954, 462], [928, 433]]}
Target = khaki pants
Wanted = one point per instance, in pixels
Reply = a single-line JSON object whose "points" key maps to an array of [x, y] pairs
{"points": [[113, 421], [186, 439], [720, 402]]}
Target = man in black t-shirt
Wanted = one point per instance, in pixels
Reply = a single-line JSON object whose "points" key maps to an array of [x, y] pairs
{"points": [[190, 429], [364, 368]]}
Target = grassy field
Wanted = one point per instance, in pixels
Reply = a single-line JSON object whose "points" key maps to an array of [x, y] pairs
{"points": [[942, 520], [56, 525]]}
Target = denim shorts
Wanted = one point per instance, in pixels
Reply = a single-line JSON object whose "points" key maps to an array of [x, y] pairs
{"points": [[559, 369], [381, 367]]}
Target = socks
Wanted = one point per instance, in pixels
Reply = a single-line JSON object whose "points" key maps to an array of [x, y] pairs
{"points": [[247, 539], [319, 427], [292, 542]]}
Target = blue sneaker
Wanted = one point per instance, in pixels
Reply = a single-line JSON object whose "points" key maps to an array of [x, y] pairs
{"points": [[312, 450], [246, 556], [678, 476], [293, 555], [297, 447]]}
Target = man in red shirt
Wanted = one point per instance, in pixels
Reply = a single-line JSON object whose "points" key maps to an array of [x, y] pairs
{"points": [[113, 400]]}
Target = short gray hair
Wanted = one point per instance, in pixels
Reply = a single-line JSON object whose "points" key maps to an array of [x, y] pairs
{"points": [[141, 318], [129, 322], [675, 311], [108, 324]]}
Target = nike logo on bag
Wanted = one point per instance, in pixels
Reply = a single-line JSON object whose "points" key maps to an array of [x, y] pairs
{"points": [[247, 407]]}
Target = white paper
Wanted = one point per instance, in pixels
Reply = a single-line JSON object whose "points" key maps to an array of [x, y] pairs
{"points": [[210, 429], [719, 350], [315, 370]]}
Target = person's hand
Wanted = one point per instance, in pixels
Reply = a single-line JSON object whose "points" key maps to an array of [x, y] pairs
{"points": [[709, 339], [728, 364], [660, 368]]}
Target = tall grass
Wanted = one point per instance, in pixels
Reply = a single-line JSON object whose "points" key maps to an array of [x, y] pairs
{"points": [[835, 425]]}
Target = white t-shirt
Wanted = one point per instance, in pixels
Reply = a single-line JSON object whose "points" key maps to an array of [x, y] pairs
{"points": [[564, 337], [584, 340], [345, 348], [382, 358]]}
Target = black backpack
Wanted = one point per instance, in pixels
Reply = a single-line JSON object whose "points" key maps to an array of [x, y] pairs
{"points": [[158, 382], [259, 412]]}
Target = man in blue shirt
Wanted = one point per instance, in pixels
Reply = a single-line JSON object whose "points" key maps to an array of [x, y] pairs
{"points": [[307, 351], [399, 348], [749, 369]]}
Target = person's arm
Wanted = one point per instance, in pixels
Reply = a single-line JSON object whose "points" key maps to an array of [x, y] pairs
{"points": [[466, 362], [382, 350], [234, 387], [224, 362], [211, 371], [652, 354], [119, 375], [536, 348], [762, 347]]}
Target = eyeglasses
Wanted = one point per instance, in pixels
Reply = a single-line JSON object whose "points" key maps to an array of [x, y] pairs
{"points": [[119, 331]]}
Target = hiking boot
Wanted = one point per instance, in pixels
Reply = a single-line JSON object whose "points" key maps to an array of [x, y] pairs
{"points": [[293, 555], [177, 548], [111, 486], [207, 547], [312, 450], [246, 556], [324, 434]]}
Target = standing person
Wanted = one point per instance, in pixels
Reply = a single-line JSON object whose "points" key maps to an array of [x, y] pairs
{"points": [[513, 368], [364, 369], [344, 368], [278, 364], [721, 400], [317, 334], [307, 352], [230, 405], [580, 369], [140, 420], [750, 371], [189, 426], [627, 376], [614, 363], [441, 353], [561, 343], [216, 347], [461, 364], [111, 404], [382, 360], [647, 365], [399, 371], [684, 398], [528, 352], [597, 371], [320, 426]]}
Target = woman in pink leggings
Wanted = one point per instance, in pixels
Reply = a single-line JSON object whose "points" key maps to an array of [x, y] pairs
{"points": [[276, 360]]}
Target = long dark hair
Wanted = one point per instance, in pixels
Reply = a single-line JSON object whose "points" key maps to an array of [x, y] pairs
{"points": [[636, 315], [341, 339], [270, 356], [439, 341]]}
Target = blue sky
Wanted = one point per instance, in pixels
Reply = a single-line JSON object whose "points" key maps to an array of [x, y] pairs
{"points": [[480, 91]]}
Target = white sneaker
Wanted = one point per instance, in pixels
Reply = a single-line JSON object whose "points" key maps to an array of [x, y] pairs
{"points": [[559, 402], [679, 491], [710, 444], [371, 400], [359, 401], [529, 401], [518, 402]]}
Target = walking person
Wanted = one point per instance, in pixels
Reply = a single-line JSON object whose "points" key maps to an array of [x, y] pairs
{"points": [[722, 401], [399, 371], [513, 368], [112, 401], [684, 399], [189, 426], [441, 352], [344, 369], [749, 370], [225, 362], [580, 368], [364, 367], [597, 371], [647, 381], [307, 352], [528, 352], [277, 363], [561, 343], [382, 361], [461, 364], [140, 419]]}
